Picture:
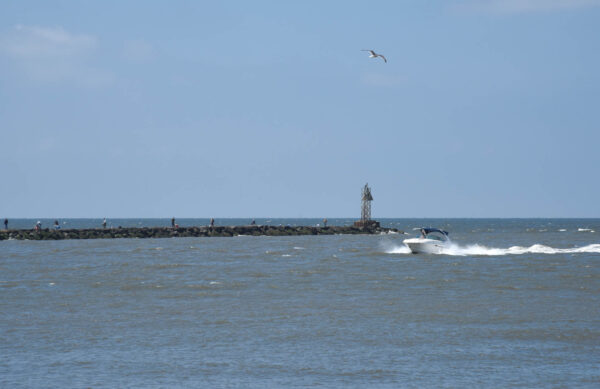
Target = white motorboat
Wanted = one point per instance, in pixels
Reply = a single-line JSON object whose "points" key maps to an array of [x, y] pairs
{"points": [[431, 241]]}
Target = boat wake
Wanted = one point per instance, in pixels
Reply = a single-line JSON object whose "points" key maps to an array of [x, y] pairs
{"points": [[457, 250]]}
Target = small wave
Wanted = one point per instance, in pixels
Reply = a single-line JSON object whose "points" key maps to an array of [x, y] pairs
{"points": [[585, 230], [457, 250], [299, 248], [562, 230], [168, 265]]}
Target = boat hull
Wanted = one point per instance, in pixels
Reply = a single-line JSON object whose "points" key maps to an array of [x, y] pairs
{"points": [[426, 246]]}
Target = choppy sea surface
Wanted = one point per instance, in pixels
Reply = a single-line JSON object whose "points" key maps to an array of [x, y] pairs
{"points": [[514, 302]]}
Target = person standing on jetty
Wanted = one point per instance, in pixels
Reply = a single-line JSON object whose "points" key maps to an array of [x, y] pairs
{"points": [[56, 225], [104, 223], [212, 222], [5, 224], [325, 222], [173, 222]]}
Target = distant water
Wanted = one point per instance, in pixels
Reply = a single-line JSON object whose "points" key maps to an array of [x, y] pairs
{"points": [[515, 302]]}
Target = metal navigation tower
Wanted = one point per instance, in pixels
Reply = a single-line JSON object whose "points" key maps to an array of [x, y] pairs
{"points": [[365, 210]]}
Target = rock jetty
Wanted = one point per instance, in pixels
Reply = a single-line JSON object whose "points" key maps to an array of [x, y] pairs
{"points": [[164, 232]]}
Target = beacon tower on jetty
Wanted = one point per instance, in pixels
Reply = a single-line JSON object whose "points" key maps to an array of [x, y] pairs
{"points": [[365, 210]]}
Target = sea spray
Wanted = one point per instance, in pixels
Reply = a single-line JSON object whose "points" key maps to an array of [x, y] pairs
{"points": [[480, 250]]}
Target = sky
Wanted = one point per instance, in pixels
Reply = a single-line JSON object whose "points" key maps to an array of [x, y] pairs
{"points": [[485, 108]]}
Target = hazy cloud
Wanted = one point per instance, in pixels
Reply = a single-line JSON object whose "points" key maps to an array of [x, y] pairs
{"points": [[526, 6], [52, 54]]}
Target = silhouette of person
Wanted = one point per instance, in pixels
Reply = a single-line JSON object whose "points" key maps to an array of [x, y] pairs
{"points": [[6, 224], [212, 222], [173, 222]]}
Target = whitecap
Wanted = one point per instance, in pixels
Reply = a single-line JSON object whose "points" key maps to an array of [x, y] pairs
{"points": [[562, 230], [286, 255], [585, 230]]}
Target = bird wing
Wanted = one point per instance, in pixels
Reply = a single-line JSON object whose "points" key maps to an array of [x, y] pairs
{"points": [[385, 60]]}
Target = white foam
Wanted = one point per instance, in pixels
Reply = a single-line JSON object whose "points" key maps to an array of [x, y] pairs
{"points": [[476, 249], [562, 230], [585, 230], [399, 250]]}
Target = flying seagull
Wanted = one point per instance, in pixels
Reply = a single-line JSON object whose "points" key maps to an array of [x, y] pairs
{"points": [[375, 55]]}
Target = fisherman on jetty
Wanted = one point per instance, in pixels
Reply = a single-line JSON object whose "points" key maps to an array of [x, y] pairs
{"points": [[104, 223], [38, 226], [6, 224], [325, 222], [212, 222], [56, 225], [173, 222]]}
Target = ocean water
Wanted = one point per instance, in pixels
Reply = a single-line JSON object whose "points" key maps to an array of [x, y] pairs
{"points": [[514, 302]]}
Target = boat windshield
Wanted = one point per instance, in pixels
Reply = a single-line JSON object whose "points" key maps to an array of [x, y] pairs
{"points": [[435, 235]]}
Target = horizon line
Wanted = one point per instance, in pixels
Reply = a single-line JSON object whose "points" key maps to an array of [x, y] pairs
{"points": [[311, 217]]}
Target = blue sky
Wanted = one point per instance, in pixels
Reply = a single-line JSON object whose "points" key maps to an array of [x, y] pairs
{"points": [[485, 108]]}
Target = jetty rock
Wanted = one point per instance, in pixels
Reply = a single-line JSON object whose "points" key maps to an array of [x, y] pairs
{"points": [[166, 232]]}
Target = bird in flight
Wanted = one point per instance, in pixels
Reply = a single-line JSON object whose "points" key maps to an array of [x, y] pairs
{"points": [[375, 55]]}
